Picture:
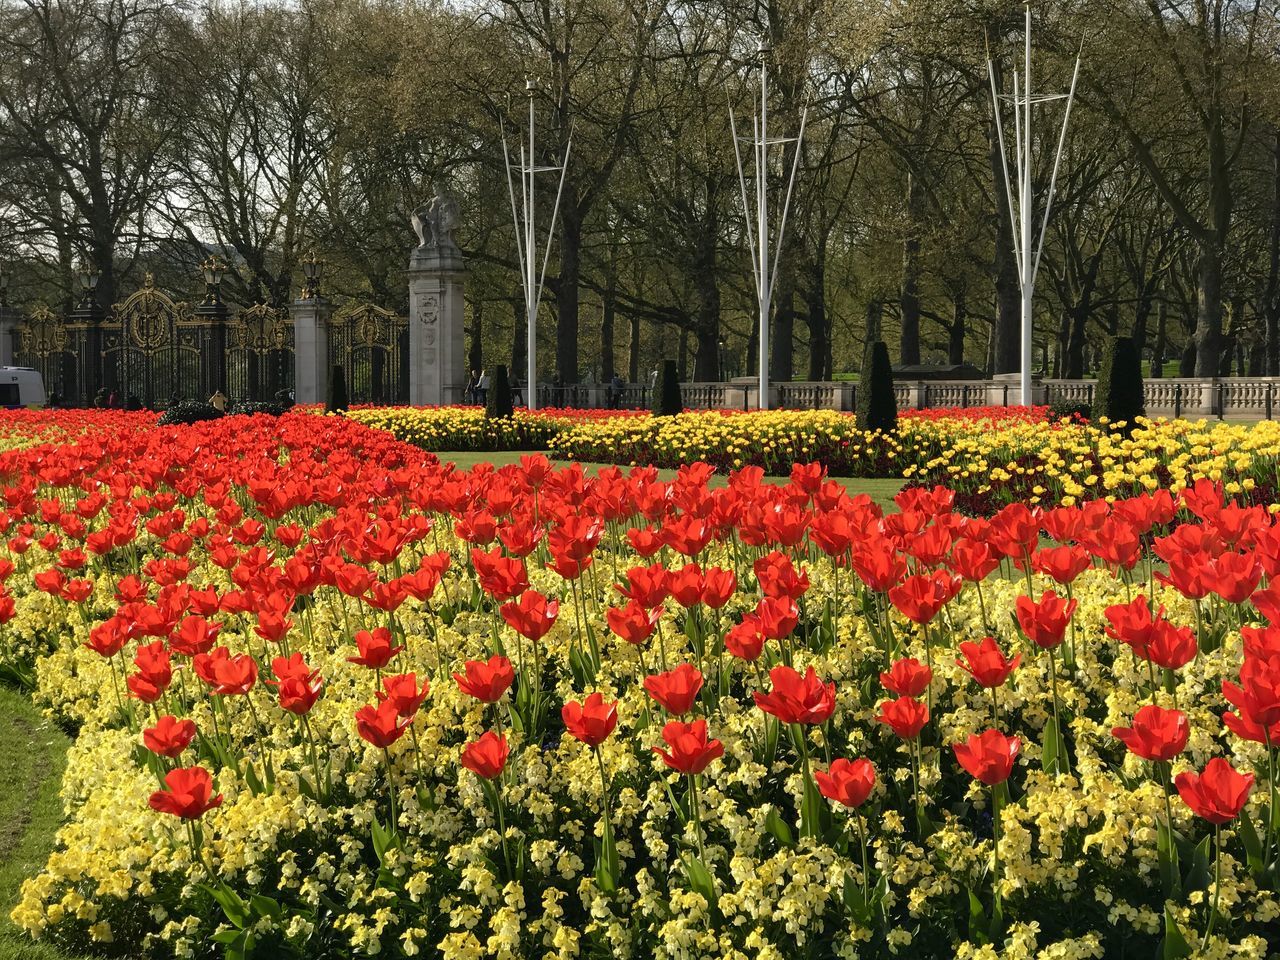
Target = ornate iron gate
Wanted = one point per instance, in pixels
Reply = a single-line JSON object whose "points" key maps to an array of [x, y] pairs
{"points": [[260, 359], [155, 350], [371, 344], [54, 347]]}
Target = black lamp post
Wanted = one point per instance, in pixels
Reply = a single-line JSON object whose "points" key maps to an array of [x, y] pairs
{"points": [[213, 270], [212, 313], [88, 314], [87, 277], [313, 272]]}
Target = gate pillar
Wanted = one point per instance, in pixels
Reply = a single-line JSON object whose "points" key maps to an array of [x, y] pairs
{"points": [[437, 283], [311, 347]]}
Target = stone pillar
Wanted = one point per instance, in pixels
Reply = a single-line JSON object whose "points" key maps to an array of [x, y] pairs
{"points": [[95, 372], [8, 331], [311, 349], [437, 328]]}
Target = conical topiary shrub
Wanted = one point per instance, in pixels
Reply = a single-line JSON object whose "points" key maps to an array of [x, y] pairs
{"points": [[498, 401], [667, 401], [337, 402], [1119, 393], [877, 405]]}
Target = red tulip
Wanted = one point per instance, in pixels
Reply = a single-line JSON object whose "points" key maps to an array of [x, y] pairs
{"points": [[777, 617], [1171, 647], [907, 677], [1062, 564], [796, 699], [486, 757], [375, 648], [685, 585], [1218, 794], [847, 781], [718, 585], [297, 685], [590, 721], [381, 725], [986, 662], [194, 635], [500, 577], [988, 756], [922, 595], [905, 716], [1045, 622], [229, 675], [744, 640], [486, 681], [186, 793], [1157, 734], [402, 692], [633, 623], [676, 690], [169, 737], [778, 577], [532, 615], [691, 752]]}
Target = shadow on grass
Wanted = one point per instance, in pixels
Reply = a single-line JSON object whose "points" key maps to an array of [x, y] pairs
{"points": [[32, 757]]}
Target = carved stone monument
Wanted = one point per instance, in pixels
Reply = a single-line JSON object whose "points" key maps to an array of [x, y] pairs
{"points": [[437, 282]]}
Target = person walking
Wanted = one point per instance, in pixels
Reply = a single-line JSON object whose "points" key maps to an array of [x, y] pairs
{"points": [[482, 388]]}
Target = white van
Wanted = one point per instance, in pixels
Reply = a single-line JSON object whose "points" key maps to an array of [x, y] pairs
{"points": [[21, 387]]}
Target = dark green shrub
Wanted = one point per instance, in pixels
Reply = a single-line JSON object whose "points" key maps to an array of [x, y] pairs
{"points": [[667, 401], [498, 401], [272, 408], [188, 411], [1119, 393], [877, 407], [1064, 409], [337, 391]]}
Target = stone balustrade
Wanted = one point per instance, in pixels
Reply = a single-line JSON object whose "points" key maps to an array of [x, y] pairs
{"points": [[1242, 398]]}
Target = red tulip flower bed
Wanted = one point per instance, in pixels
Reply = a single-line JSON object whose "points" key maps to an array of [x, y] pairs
{"points": [[336, 699]]}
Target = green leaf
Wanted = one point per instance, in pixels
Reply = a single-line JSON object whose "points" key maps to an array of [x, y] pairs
{"points": [[251, 778], [305, 788], [774, 823], [1252, 845], [1175, 944], [977, 919], [1198, 876], [1170, 870], [811, 810], [266, 906], [235, 909], [384, 838], [700, 879], [1051, 749]]}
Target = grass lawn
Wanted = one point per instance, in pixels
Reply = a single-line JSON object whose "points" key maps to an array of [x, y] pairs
{"points": [[881, 491], [33, 757]]}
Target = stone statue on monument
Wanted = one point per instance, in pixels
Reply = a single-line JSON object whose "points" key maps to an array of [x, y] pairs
{"points": [[435, 221]]}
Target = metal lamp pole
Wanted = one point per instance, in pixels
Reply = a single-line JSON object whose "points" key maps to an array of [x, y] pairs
{"points": [[766, 273], [531, 279], [1028, 241]]}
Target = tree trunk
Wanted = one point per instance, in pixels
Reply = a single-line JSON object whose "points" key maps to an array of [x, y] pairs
{"points": [[608, 313], [1007, 333], [519, 335], [959, 321], [1208, 337], [633, 350], [1078, 314], [909, 294], [567, 288], [475, 357], [1157, 351], [682, 355], [1271, 296], [782, 341], [1142, 311], [815, 296], [706, 361]]}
